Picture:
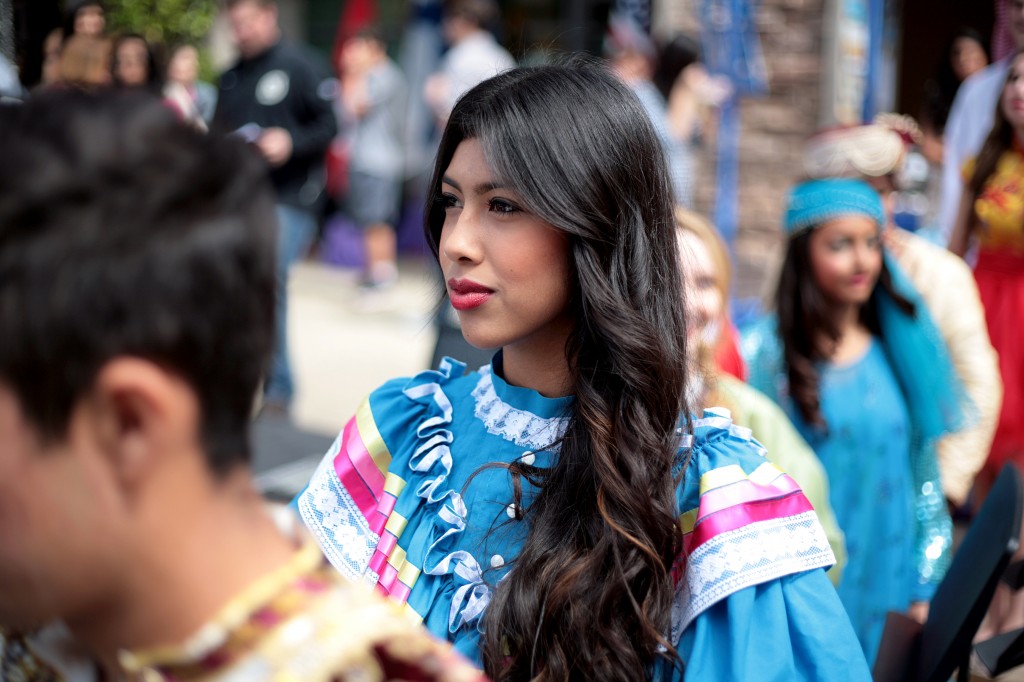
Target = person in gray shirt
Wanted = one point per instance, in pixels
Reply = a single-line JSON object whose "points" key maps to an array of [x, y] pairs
{"points": [[374, 98]]}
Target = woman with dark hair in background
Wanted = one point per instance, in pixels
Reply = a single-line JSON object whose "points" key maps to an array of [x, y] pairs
{"points": [[84, 17], [556, 514], [965, 55], [992, 213], [136, 65], [689, 90], [857, 362], [194, 99]]}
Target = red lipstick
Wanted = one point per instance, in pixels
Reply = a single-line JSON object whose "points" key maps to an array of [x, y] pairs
{"points": [[466, 294]]}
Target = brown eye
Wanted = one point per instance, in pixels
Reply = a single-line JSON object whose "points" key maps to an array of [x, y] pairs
{"points": [[502, 206], [447, 200]]}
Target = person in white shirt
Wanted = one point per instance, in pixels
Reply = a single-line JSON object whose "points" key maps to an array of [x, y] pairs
{"points": [[970, 120], [473, 56]]}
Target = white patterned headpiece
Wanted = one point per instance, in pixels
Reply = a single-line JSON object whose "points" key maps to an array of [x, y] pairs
{"points": [[869, 150]]}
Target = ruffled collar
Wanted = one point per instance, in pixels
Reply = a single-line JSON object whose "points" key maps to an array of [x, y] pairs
{"points": [[520, 415]]}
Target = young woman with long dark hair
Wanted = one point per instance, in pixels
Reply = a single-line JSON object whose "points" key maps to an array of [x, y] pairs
{"points": [[856, 360], [992, 213], [555, 514]]}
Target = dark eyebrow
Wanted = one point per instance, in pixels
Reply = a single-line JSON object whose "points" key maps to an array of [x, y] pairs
{"points": [[482, 188]]}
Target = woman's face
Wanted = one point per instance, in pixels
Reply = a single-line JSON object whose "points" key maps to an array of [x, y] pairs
{"points": [[507, 271], [846, 259], [967, 58], [132, 67], [703, 296], [89, 21], [184, 65], [1013, 94]]}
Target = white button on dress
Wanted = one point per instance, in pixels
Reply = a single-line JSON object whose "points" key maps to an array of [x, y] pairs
{"points": [[497, 561]]}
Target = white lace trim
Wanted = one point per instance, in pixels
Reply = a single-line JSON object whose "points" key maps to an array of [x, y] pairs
{"points": [[748, 556], [333, 518], [523, 428]]}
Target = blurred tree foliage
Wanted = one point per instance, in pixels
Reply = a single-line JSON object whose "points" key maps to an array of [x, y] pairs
{"points": [[162, 22]]}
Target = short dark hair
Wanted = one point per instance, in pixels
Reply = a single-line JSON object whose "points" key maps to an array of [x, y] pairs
{"points": [[125, 233], [371, 34], [71, 13], [480, 13], [674, 55]]}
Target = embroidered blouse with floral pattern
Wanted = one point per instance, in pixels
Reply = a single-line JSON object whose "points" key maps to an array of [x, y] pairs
{"points": [[300, 622], [1000, 205]]}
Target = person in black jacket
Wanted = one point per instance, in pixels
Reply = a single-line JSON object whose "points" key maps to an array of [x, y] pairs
{"points": [[279, 99]]}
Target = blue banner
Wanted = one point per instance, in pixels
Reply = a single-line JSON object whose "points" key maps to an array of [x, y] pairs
{"points": [[732, 49]]}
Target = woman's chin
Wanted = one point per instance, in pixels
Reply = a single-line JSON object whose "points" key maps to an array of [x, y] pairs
{"points": [[481, 341]]}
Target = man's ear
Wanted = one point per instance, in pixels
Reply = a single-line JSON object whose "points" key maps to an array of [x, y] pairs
{"points": [[140, 413]]}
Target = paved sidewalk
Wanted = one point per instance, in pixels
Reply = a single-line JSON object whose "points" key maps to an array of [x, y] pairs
{"points": [[342, 350], [343, 345]]}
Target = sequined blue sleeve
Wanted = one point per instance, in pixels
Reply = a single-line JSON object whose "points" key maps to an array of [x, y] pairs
{"points": [[762, 352], [934, 529]]}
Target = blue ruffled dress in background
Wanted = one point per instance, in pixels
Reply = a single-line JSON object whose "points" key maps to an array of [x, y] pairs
{"points": [[883, 478], [866, 454]]}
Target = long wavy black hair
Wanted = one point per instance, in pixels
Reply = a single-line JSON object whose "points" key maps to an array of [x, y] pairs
{"points": [[589, 597], [808, 327]]}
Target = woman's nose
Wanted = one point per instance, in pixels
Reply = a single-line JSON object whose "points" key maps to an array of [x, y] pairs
{"points": [[459, 236]]}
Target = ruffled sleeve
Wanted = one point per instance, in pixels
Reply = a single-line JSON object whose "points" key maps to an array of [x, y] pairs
{"points": [[749, 573], [385, 508], [790, 452], [395, 447]]}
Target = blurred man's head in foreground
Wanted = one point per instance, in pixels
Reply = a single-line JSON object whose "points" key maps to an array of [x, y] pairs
{"points": [[136, 299]]}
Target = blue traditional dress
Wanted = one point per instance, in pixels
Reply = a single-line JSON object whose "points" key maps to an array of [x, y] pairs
{"points": [[883, 480], [406, 501]]}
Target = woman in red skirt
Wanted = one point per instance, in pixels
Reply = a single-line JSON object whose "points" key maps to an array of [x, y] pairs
{"points": [[992, 213]]}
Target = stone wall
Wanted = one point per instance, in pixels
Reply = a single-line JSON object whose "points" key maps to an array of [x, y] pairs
{"points": [[773, 130]]}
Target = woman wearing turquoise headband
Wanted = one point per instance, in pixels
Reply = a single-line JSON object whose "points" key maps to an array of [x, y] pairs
{"points": [[858, 363]]}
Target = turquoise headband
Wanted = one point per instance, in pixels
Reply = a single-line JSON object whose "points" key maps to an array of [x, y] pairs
{"points": [[818, 201]]}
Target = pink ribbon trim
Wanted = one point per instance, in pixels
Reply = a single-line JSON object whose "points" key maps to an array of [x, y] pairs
{"points": [[358, 473], [388, 578], [745, 492], [742, 515]]}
